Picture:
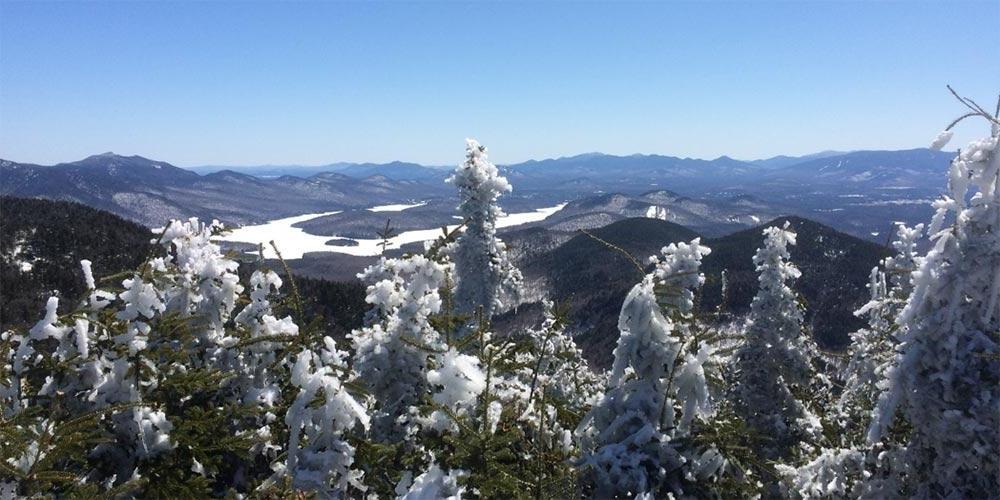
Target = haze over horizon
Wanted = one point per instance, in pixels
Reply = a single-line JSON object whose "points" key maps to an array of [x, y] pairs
{"points": [[198, 84], [201, 166]]}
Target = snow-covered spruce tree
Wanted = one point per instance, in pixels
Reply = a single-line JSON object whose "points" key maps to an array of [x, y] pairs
{"points": [[421, 387], [552, 367], [125, 364], [945, 381], [539, 386], [507, 434], [257, 365], [433, 484], [319, 459], [153, 391], [774, 361], [482, 424], [836, 469], [872, 348], [901, 461], [636, 440], [393, 352], [472, 418], [443, 385], [481, 411], [485, 275]]}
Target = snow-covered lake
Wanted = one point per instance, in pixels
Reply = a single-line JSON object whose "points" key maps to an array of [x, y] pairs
{"points": [[294, 242], [395, 208]]}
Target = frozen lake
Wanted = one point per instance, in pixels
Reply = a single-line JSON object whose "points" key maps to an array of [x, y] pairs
{"points": [[395, 208], [294, 242]]}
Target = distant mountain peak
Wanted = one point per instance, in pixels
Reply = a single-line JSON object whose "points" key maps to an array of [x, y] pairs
{"points": [[100, 156], [658, 192], [110, 155]]}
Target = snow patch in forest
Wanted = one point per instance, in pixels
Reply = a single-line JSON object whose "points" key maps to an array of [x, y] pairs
{"points": [[656, 212], [293, 242], [25, 263]]}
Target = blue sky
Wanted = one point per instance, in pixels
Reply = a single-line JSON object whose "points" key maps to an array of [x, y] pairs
{"points": [[311, 83]]}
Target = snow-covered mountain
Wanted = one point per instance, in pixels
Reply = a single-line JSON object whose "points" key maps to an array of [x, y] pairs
{"points": [[397, 170], [709, 216], [858, 170], [866, 170], [860, 192], [152, 192]]}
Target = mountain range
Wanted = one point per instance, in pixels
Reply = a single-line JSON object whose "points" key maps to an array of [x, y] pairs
{"points": [[859, 192], [153, 192], [394, 169]]}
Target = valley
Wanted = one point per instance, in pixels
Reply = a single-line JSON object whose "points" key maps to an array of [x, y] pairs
{"points": [[297, 236], [327, 224], [861, 193]]}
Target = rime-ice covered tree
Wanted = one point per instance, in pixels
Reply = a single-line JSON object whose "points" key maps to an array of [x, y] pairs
{"points": [[158, 390], [193, 288], [945, 380], [393, 353], [775, 357], [319, 459], [421, 387], [935, 431], [433, 484], [485, 275], [836, 471], [257, 369], [636, 439], [873, 348], [552, 366]]}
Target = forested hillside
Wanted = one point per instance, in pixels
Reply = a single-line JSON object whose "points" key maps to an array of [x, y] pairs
{"points": [[592, 272], [835, 268], [42, 243]]}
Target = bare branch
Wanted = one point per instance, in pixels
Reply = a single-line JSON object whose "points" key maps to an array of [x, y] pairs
{"points": [[612, 246], [977, 110], [960, 118], [969, 103], [291, 279]]}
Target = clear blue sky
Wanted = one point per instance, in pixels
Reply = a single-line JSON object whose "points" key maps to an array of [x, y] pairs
{"points": [[310, 83]]}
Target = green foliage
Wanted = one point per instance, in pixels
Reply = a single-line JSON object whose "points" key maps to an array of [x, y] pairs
{"points": [[50, 448]]}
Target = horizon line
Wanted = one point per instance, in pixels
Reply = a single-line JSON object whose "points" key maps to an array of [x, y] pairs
{"points": [[829, 152]]}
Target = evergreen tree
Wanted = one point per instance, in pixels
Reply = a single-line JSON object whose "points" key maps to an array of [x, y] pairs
{"points": [[774, 361], [319, 459], [945, 381], [485, 275], [393, 352], [929, 356], [552, 365], [159, 391], [872, 349], [636, 439]]}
